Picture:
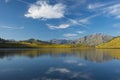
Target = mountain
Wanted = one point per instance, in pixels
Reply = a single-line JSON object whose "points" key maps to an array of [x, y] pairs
{"points": [[84, 42], [94, 39], [113, 43], [30, 43], [36, 41], [61, 41]]}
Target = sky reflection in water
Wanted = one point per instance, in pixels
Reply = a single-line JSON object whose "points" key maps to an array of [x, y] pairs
{"points": [[59, 64]]}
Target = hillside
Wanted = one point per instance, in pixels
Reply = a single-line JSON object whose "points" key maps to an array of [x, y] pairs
{"points": [[84, 42], [30, 43], [61, 41], [17, 45], [114, 43], [35, 43], [94, 39]]}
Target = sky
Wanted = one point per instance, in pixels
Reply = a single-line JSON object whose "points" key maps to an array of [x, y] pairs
{"points": [[58, 19]]}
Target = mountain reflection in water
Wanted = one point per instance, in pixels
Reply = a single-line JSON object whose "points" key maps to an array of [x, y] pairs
{"points": [[94, 55], [59, 64]]}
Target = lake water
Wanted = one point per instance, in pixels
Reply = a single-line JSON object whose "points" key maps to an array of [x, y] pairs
{"points": [[59, 64]]}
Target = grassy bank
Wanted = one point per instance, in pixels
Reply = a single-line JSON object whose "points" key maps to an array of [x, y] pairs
{"points": [[34, 45]]}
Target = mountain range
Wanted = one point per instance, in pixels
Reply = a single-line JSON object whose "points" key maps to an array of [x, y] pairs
{"points": [[97, 40], [92, 40], [61, 41]]}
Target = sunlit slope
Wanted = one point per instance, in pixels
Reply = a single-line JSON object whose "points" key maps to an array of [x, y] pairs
{"points": [[114, 43], [44, 45], [17, 45], [94, 39]]}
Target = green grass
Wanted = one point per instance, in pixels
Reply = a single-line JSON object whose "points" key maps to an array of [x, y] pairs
{"points": [[112, 44], [34, 45]]}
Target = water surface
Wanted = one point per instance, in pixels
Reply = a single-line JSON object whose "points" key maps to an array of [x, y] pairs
{"points": [[59, 64]]}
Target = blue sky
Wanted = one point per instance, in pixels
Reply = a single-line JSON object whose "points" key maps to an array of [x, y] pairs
{"points": [[58, 19]]}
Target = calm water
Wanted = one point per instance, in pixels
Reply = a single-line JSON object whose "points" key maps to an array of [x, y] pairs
{"points": [[59, 64]]}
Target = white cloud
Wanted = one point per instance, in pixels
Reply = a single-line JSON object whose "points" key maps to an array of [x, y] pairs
{"points": [[61, 70], [25, 2], [95, 5], [62, 26], [86, 20], [43, 10], [100, 5], [70, 35], [75, 22], [71, 22], [9, 27], [83, 22], [113, 10], [80, 32]]}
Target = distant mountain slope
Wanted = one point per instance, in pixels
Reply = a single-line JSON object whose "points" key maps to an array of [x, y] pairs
{"points": [[94, 39], [30, 43], [36, 41], [61, 41], [113, 43], [87, 41]]}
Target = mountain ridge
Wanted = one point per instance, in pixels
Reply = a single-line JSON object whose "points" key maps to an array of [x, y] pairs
{"points": [[113, 43], [93, 40], [86, 41]]}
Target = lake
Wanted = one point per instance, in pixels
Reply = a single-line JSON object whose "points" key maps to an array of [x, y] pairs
{"points": [[59, 64]]}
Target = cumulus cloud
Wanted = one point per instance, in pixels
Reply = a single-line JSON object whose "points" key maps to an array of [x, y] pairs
{"points": [[43, 10], [70, 35], [61, 26]]}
